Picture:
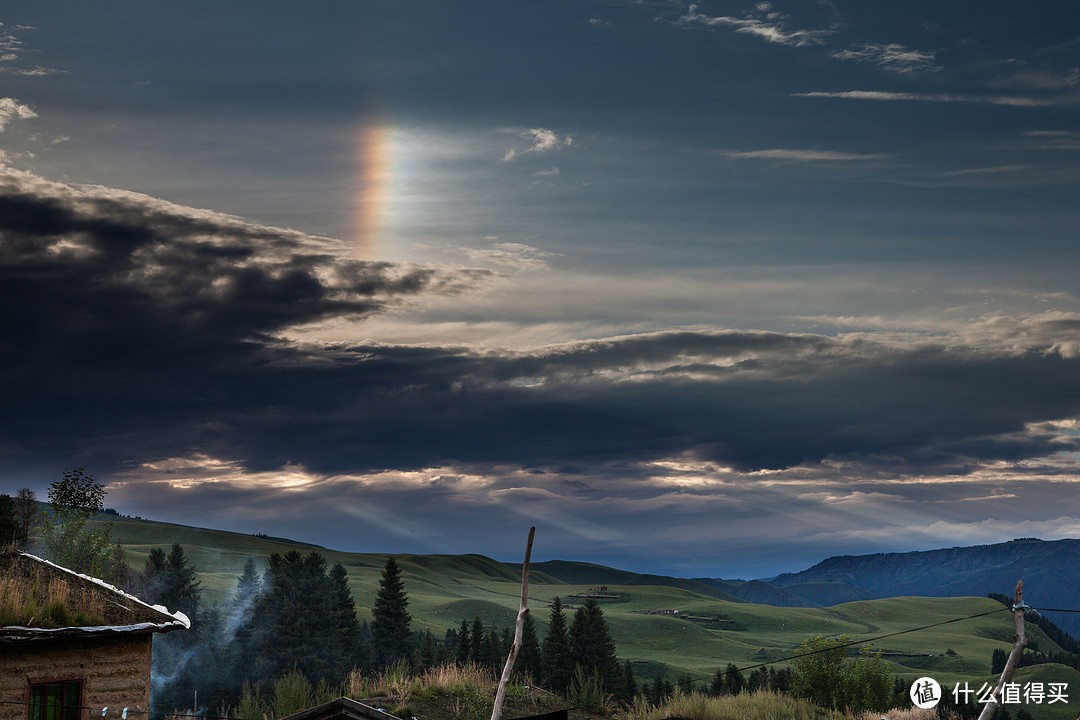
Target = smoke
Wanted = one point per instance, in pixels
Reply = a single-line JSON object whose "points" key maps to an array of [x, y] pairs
{"points": [[198, 669]]}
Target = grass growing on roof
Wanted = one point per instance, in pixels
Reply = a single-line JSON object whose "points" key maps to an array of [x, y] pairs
{"points": [[35, 602]]}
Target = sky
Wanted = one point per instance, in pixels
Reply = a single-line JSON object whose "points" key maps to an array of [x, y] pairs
{"points": [[709, 289]]}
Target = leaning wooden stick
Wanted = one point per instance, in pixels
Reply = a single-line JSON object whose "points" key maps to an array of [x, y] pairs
{"points": [[1019, 643], [500, 696]]}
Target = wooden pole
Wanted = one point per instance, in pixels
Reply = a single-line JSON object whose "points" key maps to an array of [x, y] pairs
{"points": [[508, 668], [1019, 643]]}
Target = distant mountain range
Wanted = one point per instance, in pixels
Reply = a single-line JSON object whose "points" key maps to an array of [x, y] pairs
{"points": [[1050, 570]]}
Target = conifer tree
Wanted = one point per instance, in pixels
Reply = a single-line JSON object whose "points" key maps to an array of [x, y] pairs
{"points": [[463, 649], [591, 646], [558, 666], [390, 634], [248, 584], [530, 661], [479, 645], [291, 623], [346, 628], [118, 572], [26, 508], [427, 651], [733, 680], [364, 659], [153, 576], [716, 687], [11, 530], [181, 587], [629, 683]]}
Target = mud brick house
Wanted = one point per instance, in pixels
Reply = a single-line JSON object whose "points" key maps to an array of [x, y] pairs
{"points": [[73, 647]]}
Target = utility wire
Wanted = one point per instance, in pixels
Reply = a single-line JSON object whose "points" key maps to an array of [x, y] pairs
{"points": [[852, 643]]}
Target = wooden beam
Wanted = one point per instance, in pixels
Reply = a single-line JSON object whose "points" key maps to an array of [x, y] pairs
{"points": [[508, 668], [1019, 643]]}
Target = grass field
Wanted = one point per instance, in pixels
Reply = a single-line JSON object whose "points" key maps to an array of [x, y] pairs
{"points": [[445, 589]]}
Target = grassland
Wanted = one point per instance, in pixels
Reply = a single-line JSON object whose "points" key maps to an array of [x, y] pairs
{"points": [[445, 589]]}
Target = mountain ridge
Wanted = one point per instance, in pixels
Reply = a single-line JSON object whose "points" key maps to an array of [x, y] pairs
{"points": [[1050, 570]]}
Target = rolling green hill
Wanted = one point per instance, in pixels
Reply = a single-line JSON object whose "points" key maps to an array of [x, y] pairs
{"points": [[711, 628]]}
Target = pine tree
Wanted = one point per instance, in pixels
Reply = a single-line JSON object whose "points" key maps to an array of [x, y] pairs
{"points": [[181, 588], [11, 530], [629, 683], [464, 650], [591, 646], [530, 661], [291, 624], [346, 628], [390, 634], [26, 508], [558, 666], [733, 680], [716, 687], [118, 572], [427, 651], [153, 576], [248, 585], [479, 642], [174, 584]]}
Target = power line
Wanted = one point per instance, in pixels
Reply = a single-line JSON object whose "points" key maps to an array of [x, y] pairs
{"points": [[841, 646]]}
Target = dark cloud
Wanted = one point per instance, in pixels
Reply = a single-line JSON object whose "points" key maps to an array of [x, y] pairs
{"points": [[132, 322], [135, 330]]}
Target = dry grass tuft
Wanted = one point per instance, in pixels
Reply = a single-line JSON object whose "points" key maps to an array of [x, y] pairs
{"points": [[746, 706], [33, 601]]}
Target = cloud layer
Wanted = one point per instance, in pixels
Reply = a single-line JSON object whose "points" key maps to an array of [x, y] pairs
{"points": [[144, 330]]}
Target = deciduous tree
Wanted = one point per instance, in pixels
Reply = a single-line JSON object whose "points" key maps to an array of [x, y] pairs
{"points": [[65, 536], [824, 677]]}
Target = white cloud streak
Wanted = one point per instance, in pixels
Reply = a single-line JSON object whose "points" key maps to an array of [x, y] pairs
{"points": [[793, 155], [892, 57], [1010, 100], [770, 29]]}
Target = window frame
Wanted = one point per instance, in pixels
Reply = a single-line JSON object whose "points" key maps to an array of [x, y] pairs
{"points": [[67, 712]]}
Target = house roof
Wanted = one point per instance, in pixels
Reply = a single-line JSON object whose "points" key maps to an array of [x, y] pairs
{"points": [[43, 600], [342, 709], [346, 709]]}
